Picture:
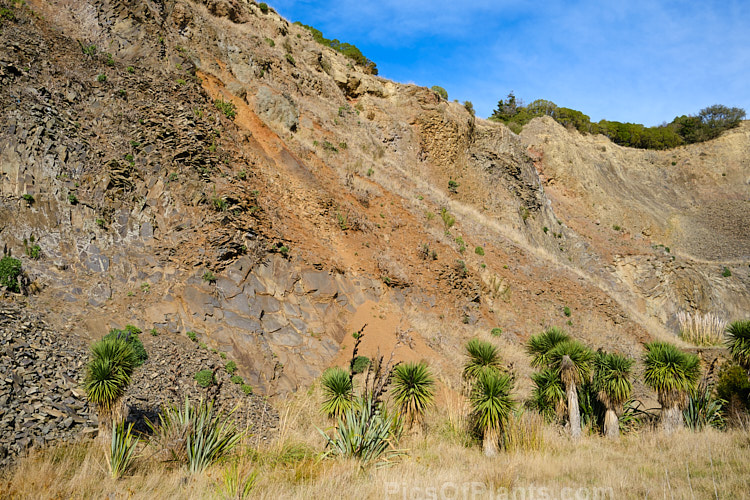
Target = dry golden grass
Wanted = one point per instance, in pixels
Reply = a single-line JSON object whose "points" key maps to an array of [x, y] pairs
{"points": [[442, 459]]}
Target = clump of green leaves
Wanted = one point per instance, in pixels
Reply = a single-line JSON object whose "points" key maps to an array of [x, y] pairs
{"points": [[33, 251], [360, 364], [726, 272], [72, 199], [338, 392], [231, 367], [204, 378], [347, 49], [192, 336], [479, 251], [196, 434], [226, 107], [247, 389], [566, 311], [448, 219], [236, 379], [122, 449], [130, 336], [10, 270], [89, 50], [101, 78], [263, 6], [440, 91]]}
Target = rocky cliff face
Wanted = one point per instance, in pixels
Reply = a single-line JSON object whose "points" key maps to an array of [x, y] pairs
{"points": [[313, 204]]}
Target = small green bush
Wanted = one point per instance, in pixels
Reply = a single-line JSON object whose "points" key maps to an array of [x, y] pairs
{"points": [[10, 270], [270, 42], [231, 367], [566, 311], [440, 91], [247, 389], [496, 332], [89, 50], [101, 78], [360, 364], [479, 251], [100, 222], [733, 387], [263, 6], [726, 272], [130, 69], [226, 107], [130, 335], [192, 336], [6, 14], [204, 378], [28, 198], [34, 252], [202, 345], [154, 332], [236, 379], [209, 277], [72, 199], [290, 59]]}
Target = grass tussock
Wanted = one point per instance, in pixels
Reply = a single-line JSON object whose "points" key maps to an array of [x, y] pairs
{"points": [[701, 329], [683, 465]]}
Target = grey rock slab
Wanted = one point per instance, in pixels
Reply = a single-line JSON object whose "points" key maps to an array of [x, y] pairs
{"points": [[286, 336]]}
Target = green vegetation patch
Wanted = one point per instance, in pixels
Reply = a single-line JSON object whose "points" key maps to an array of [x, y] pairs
{"points": [[708, 124], [347, 49], [10, 270]]}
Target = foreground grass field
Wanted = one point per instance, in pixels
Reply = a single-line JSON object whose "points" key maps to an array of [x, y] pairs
{"points": [[439, 462]]}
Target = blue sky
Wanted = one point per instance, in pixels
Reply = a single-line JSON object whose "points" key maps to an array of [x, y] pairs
{"points": [[626, 60]]}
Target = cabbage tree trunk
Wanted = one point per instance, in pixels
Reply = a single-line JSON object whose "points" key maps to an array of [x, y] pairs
{"points": [[489, 443], [118, 413], [671, 419], [611, 424], [574, 414]]}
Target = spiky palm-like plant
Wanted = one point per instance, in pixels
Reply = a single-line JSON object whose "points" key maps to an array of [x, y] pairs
{"points": [[483, 356], [107, 377], [413, 390], [122, 451], [365, 432], [548, 395], [338, 392], [540, 345], [573, 361], [672, 374], [613, 387], [738, 343], [492, 405]]}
